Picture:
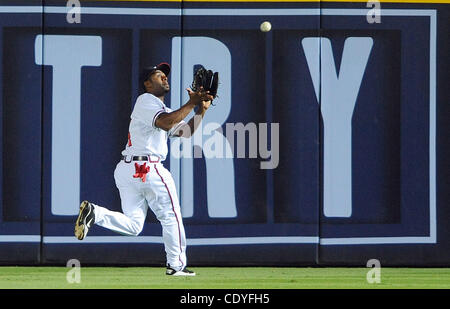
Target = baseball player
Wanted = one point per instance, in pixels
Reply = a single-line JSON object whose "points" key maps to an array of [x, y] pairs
{"points": [[141, 178]]}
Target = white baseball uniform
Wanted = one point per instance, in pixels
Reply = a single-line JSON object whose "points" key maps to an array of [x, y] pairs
{"points": [[155, 188]]}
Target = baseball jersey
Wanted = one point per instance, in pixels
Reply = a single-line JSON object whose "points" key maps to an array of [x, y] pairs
{"points": [[144, 138]]}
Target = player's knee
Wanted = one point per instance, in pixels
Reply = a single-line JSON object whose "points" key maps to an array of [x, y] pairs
{"points": [[136, 228]]}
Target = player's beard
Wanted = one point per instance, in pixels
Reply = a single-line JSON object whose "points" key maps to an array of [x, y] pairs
{"points": [[161, 91], [165, 88]]}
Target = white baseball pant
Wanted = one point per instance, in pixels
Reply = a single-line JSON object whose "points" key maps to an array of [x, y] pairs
{"points": [[157, 192]]}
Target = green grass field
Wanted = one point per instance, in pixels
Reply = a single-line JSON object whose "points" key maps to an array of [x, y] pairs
{"points": [[224, 278]]}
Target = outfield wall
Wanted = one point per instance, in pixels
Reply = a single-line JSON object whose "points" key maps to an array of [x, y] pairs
{"points": [[356, 111]]}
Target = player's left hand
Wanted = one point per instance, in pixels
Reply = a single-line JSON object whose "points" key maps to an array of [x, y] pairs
{"points": [[199, 96]]}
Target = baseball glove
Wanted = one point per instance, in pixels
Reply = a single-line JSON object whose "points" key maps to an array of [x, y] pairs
{"points": [[207, 79]]}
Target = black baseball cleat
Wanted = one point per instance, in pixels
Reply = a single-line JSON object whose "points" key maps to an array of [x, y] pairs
{"points": [[84, 220], [184, 272]]}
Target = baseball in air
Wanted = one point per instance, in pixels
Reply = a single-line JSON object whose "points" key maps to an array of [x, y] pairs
{"points": [[265, 26]]}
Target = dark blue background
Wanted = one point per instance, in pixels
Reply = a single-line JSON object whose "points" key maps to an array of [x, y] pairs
{"points": [[270, 73]]}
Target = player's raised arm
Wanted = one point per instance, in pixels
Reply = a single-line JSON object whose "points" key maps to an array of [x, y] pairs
{"points": [[167, 121], [204, 87], [188, 129]]}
